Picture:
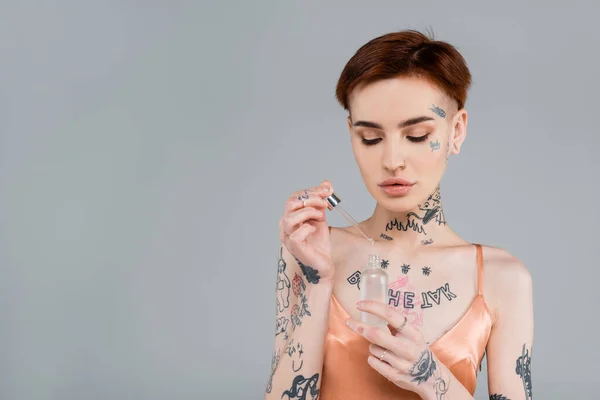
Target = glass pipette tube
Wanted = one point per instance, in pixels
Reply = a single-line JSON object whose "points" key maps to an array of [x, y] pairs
{"points": [[334, 204]]}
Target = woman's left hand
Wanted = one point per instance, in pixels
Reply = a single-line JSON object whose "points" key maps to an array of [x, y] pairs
{"points": [[400, 353]]}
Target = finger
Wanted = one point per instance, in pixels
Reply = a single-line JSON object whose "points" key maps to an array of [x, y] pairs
{"points": [[298, 218], [395, 319], [322, 191], [300, 234], [378, 335], [310, 200], [385, 369], [390, 357]]}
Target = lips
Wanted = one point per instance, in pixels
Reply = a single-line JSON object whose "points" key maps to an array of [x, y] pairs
{"points": [[396, 182]]}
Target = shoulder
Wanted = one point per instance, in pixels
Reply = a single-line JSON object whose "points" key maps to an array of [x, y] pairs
{"points": [[507, 279], [501, 265]]}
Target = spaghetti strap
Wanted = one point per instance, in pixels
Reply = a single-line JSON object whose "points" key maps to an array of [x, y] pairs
{"points": [[479, 269]]}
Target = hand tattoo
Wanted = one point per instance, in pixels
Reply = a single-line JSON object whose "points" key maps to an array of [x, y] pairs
{"points": [[311, 274], [423, 368]]}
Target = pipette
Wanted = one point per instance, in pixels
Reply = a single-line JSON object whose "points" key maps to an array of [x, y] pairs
{"points": [[334, 204]]}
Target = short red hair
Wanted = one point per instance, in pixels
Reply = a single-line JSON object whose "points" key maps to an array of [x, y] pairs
{"points": [[406, 53]]}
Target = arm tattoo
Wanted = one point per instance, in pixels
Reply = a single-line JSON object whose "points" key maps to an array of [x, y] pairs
{"points": [[298, 285], [523, 369], [295, 352], [303, 388], [423, 368], [311, 274], [282, 324], [274, 363], [498, 397], [440, 386], [283, 284], [299, 310]]}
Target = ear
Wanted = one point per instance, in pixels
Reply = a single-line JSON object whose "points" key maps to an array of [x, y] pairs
{"points": [[458, 132], [349, 120]]}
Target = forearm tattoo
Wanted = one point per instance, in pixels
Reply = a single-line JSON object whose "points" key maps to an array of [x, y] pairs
{"points": [[300, 309], [295, 352], [303, 388], [274, 364], [498, 397], [283, 284], [523, 369], [281, 328]]}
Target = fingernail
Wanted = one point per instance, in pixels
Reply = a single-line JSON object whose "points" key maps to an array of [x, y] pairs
{"points": [[360, 304]]}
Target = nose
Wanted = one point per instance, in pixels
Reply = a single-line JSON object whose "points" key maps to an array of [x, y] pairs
{"points": [[394, 157]]}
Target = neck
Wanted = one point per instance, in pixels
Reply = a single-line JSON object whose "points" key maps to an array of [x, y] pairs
{"points": [[418, 227]]}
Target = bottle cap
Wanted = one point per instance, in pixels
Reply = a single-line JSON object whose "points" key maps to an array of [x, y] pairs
{"points": [[333, 200]]}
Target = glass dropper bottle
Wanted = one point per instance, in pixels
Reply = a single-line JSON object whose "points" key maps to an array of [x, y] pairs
{"points": [[334, 204]]}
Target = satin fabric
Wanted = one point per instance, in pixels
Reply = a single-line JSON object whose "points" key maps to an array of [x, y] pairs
{"points": [[347, 375]]}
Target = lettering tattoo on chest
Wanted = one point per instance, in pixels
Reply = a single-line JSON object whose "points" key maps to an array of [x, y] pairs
{"points": [[429, 298]]}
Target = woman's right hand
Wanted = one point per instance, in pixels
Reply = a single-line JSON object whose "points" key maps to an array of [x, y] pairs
{"points": [[304, 231]]}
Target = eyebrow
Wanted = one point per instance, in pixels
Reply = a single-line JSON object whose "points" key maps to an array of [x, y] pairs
{"points": [[403, 124]]}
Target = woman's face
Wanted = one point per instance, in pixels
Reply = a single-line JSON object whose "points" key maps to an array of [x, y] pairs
{"points": [[403, 128]]}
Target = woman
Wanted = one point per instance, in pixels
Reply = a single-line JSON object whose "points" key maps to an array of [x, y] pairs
{"points": [[450, 301]]}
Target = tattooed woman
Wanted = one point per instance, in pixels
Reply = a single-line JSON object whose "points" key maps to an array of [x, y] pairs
{"points": [[450, 301]]}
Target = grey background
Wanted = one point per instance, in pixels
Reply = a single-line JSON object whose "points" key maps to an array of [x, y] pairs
{"points": [[147, 149]]}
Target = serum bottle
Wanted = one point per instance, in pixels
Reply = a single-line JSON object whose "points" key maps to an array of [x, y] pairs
{"points": [[374, 286]]}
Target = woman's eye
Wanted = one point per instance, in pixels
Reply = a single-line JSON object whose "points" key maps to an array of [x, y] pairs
{"points": [[418, 138], [370, 142]]}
